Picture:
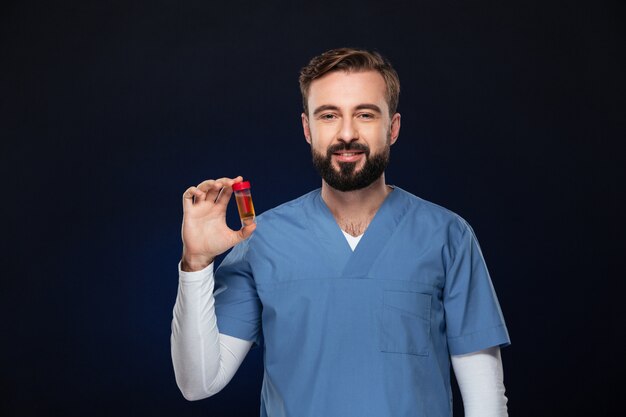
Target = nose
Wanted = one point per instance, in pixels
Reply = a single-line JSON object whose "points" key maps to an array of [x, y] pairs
{"points": [[348, 131]]}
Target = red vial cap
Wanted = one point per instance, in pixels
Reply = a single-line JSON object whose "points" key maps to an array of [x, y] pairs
{"points": [[244, 185]]}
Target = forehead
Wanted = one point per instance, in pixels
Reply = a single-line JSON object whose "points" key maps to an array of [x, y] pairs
{"points": [[348, 89]]}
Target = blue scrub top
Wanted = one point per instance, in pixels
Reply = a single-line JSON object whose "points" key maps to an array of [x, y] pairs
{"points": [[363, 333]]}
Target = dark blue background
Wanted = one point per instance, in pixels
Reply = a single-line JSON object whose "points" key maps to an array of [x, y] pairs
{"points": [[512, 116]]}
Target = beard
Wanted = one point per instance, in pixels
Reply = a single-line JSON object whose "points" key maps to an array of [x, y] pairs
{"points": [[346, 178]]}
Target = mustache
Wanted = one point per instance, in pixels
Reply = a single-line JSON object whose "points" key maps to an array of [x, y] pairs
{"points": [[352, 146]]}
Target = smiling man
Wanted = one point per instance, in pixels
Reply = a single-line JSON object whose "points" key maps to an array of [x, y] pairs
{"points": [[350, 129], [345, 131], [361, 294]]}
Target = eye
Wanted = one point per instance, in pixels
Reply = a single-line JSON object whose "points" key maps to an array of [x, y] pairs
{"points": [[328, 116], [366, 116]]}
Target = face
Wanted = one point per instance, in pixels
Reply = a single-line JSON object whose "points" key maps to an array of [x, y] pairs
{"points": [[349, 128]]}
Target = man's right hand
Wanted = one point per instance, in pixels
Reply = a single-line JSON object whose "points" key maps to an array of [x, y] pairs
{"points": [[205, 232]]}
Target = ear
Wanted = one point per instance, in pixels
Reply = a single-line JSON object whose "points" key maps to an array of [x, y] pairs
{"points": [[395, 128], [305, 127]]}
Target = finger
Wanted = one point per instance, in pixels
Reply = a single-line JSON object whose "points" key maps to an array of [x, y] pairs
{"points": [[196, 195], [242, 234], [188, 197], [206, 185], [188, 194], [226, 183], [214, 187], [245, 232], [226, 180], [224, 197], [214, 191]]}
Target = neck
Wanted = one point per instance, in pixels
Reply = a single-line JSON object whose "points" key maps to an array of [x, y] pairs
{"points": [[354, 210]]}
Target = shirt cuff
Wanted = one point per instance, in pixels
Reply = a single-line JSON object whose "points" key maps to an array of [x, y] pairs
{"points": [[201, 275], [483, 339]]}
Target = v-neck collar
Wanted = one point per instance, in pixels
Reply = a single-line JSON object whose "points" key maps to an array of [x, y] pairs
{"points": [[342, 260]]}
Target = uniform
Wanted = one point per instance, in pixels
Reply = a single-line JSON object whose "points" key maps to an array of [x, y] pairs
{"points": [[366, 333]]}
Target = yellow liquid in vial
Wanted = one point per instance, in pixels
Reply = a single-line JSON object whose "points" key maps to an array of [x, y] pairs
{"points": [[246, 208]]}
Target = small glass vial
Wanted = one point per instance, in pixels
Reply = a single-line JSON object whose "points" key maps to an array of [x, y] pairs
{"points": [[244, 202]]}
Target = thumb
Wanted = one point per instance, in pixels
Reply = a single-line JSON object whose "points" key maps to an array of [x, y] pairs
{"points": [[246, 231]]}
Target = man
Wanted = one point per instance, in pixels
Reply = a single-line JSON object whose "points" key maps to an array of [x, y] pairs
{"points": [[360, 293]]}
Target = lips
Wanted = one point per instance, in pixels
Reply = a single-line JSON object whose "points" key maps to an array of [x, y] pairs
{"points": [[348, 156]]}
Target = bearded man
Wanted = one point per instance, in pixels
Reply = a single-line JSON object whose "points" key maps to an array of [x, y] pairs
{"points": [[360, 294]]}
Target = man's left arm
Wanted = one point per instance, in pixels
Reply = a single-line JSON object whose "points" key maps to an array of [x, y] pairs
{"points": [[481, 382]]}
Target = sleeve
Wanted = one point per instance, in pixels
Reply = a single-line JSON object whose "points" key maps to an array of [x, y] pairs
{"points": [[481, 382], [474, 319], [204, 360], [237, 304]]}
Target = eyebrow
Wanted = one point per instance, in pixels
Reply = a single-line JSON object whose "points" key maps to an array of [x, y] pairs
{"points": [[324, 108], [364, 106], [372, 107]]}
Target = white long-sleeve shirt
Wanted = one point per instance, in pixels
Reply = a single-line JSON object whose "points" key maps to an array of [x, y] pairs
{"points": [[205, 361]]}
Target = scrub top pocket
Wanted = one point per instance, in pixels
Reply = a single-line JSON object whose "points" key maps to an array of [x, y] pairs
{"points": [[405, 324]]}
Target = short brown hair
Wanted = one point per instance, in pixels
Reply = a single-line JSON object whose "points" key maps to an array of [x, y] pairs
{"points": [[350, 59]]}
